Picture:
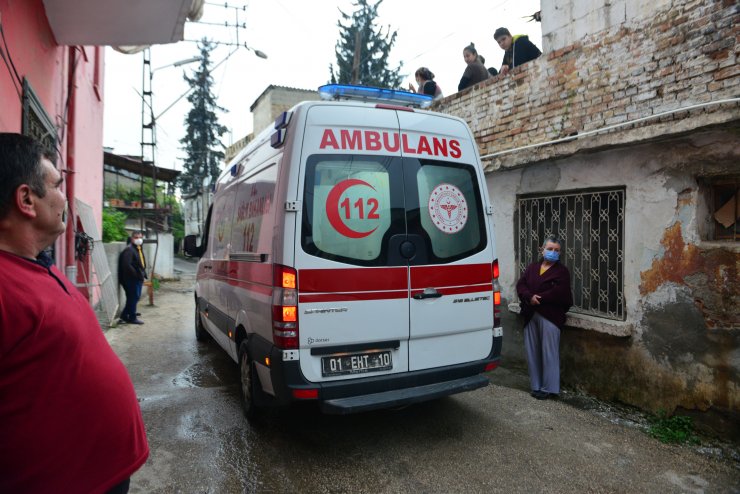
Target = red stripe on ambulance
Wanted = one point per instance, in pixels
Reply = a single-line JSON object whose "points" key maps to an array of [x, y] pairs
{"points": [[456, 275], [352, 280]]}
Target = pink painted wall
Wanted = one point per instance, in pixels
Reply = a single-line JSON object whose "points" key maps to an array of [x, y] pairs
{"points": [[45, 64]]}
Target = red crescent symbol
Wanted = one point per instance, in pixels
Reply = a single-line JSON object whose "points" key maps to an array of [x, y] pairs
{"points": [[332, 208]]}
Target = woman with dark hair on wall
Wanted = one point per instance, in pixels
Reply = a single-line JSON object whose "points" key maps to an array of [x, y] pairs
{"points": [[425, 82], [475, 72]]}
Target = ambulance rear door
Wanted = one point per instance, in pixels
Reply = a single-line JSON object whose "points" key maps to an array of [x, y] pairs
{"points": [[353, 306], [451, 305]]}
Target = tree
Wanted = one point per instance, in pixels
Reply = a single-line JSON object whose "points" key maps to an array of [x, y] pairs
{"points": [[363, 49], [202, 142]]}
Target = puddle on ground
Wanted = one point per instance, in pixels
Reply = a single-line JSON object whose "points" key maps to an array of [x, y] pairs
{"points": [[204, 376]]}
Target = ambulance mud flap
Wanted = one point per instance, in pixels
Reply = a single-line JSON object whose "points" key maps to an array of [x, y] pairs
{"points": [[399, 397]]}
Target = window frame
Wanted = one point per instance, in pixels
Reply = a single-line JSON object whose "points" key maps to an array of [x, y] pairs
{"points": [[596, 300]]}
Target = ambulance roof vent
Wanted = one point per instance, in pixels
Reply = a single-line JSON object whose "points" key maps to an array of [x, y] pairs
{"points": [[374, 94]]}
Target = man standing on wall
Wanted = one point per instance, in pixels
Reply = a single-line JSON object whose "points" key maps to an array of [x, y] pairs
{"points": [[131, 276], [517, 49], [69, 417]]}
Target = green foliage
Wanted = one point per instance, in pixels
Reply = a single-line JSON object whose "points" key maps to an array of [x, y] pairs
{"points": [[178, 225], [675, 429], [114, 226], [374, 47], [202, 144]]}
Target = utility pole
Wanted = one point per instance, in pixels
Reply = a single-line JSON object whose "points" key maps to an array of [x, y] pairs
{"points": [[148, 136], [356, 59]]}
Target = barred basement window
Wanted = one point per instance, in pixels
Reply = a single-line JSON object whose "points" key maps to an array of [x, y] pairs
{"points": [[36, 122], [591, 227]]}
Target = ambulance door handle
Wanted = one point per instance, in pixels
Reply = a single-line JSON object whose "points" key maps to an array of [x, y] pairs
{"points": [[427, 293]]}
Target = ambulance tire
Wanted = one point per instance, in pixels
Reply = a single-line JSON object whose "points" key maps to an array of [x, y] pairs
{"points": [[200, 332], [248, 385]]}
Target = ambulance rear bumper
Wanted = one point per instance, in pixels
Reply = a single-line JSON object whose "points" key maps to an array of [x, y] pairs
{"points": [[375, 392], [400, 397]]}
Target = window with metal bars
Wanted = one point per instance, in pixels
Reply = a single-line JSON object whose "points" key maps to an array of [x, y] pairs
{"points": [[590, 225], [35, 121]]}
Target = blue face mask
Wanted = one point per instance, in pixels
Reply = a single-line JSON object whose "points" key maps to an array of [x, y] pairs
{"points": [[551, 256]]}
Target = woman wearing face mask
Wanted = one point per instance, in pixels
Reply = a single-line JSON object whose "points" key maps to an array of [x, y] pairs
{"points": [[545, 294]]}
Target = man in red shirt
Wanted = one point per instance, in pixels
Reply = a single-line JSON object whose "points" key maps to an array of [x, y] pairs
{"points": [[69, 416]]}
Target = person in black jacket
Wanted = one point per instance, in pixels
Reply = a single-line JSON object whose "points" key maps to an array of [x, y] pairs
{"points": [[131, 276], [517, 49], [545, 294]]}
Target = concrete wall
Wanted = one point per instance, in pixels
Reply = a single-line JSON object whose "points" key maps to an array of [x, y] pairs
{"points": [[46, 65], [674, 58], [164, 263], [164, 266], [112, 251], [274, 101], [564, 122], [564, 23], [678, 345]]}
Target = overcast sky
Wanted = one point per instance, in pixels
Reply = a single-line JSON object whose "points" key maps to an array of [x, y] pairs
{"points": [[299, 38]]}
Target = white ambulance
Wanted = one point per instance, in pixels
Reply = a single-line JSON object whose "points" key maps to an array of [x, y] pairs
{"points": [[349, 257]]}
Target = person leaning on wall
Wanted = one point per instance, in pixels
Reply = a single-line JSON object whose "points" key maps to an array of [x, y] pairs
{"points": [[426, 83], [69, 417], [517, 49], [475, 71], [545, 294]]}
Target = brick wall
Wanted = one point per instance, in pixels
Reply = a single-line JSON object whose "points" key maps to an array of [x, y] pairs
{"points": [[678, 57]]}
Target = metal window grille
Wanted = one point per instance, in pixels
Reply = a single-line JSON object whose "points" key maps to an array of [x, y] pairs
{"points": [[591, 226], [35, 121]]}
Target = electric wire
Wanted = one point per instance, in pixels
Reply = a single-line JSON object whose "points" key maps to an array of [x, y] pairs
{"points": [[5, 52], [5, 44]]}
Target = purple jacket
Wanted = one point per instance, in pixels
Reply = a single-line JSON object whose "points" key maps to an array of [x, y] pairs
{"points": [[554, 288]]}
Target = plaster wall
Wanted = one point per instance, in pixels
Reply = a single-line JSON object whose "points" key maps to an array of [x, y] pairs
{"points": [[46, 66], [164, 265], [564, 23], [275, 101], [678, 346], [636, 76]]}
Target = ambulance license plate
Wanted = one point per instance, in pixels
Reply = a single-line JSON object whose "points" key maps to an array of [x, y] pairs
{"points": [[356, 363]]}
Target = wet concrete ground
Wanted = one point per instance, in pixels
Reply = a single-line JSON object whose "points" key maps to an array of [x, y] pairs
{"points": [[494, 439]]}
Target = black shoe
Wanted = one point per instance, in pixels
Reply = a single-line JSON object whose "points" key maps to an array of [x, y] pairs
{"points": [[136, 321], [553, 396], [540, 395]]}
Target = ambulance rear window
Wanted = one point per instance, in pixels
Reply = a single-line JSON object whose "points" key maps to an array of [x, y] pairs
{"points": [[349, 208], [450, 209]]}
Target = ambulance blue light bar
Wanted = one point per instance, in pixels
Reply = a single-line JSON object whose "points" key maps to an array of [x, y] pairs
{"points": [[368, 93]]}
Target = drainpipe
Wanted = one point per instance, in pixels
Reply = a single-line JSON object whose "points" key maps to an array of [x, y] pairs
{"points": [[70, 268]]}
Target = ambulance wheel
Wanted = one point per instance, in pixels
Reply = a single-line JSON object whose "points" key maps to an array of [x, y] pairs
{"points": [[248, 384], [200, 332]]}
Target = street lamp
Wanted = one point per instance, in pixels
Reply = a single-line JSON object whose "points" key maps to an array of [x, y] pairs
{"points": [[259, 53], [177, 64]]}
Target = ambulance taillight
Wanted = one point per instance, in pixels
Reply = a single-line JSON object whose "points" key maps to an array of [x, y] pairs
{"points": [[496, 295], [285, 307]]}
